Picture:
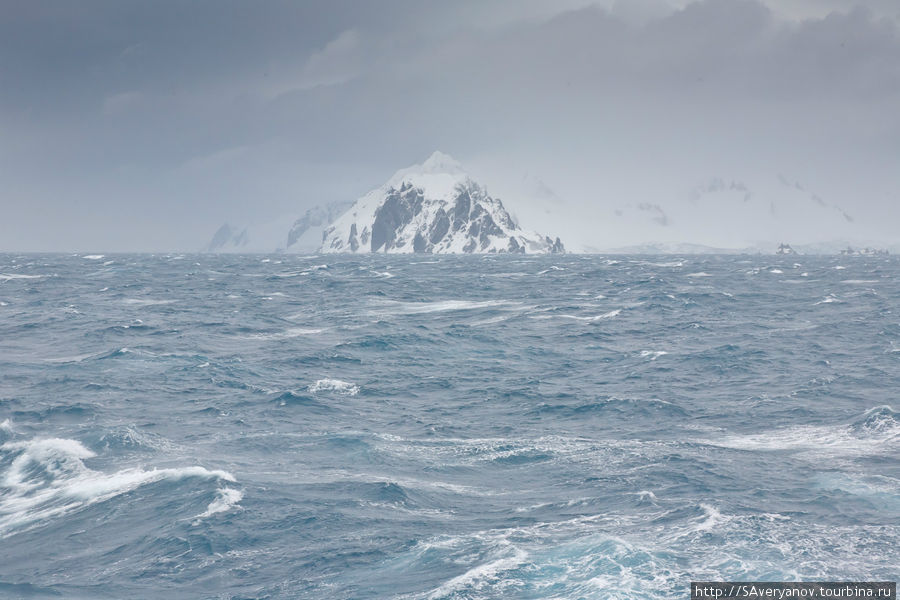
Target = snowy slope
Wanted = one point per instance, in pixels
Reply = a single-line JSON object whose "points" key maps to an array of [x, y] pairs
{"points": [[436, 208]]}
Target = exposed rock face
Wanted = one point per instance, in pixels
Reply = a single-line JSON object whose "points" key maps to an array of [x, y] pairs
{"points": [[432, 208]]}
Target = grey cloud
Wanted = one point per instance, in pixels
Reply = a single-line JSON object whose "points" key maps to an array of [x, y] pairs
{"points": [[218, 111]]}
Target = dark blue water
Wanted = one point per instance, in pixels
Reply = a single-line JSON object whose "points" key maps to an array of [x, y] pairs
{"points": [[458, 427]]}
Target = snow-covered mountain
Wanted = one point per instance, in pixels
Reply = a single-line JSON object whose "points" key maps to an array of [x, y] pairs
{"points": [[435, 208]]}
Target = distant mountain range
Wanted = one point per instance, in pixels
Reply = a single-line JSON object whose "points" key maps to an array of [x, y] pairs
{"points": [[431, 208], [834, 247], [437, 208]]}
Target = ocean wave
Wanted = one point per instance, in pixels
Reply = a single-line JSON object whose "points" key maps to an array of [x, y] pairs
{"points": [[146, 302], [481, 576], [600, 317], [877, 431], [291, 332], [45, 479], [629, 407], [494, 447], [129, 438], [417, 308], [579, 558], [15, 276], [295, 399], [586, 318], [226, 499], [551, 269], [334, 385]]}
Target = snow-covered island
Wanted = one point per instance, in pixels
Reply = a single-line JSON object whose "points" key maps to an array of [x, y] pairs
{"points": [[430, 208]]}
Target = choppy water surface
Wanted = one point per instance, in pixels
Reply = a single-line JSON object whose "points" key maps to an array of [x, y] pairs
{"points": [[457, 427]]}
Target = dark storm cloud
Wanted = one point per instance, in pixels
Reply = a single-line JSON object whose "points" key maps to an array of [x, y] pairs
{"points": [[145, 125]]}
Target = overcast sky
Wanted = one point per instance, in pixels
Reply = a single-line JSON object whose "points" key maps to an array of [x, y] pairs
{"points": [[146, 125]]}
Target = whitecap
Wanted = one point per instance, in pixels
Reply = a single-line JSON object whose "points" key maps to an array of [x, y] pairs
{"points": [[678, 263], [226, 499], [145, 302], [70, 359], [653, 354], [11, 276], [876, 488], [334, 385], [608, 315], [414, 308], [93, 257], [876, 432], [48, 478], [481, 575], [552, 268], [491, 321], [286, 334], [698, 274], [711, 518]]}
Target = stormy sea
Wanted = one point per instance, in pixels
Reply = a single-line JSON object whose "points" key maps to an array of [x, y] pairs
{"points": [[282, 427]]}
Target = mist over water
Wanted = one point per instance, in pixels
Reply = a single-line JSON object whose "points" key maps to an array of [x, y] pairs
{"points": [[189, 426]]}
